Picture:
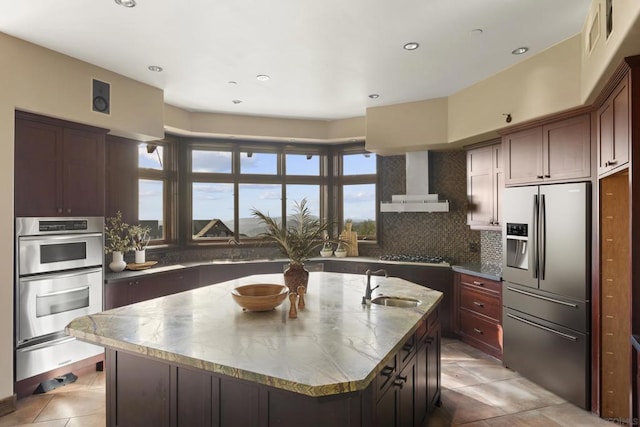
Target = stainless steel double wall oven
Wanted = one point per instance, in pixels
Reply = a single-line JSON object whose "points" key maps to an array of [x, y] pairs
{"points": [[59, 277]]}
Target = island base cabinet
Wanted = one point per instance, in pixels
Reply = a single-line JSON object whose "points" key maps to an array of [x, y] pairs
{"points": [[145, 390]]}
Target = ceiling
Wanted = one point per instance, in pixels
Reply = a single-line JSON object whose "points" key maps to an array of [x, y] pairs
{"points": [[324, 58]]}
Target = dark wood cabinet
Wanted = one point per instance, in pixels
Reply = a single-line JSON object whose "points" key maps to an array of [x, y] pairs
{"points": [[557, 151], [478, 312], [613, 129], [143, 390], [59, 167], [122, 178], [408, 387], [140, 288], [485, 183]]}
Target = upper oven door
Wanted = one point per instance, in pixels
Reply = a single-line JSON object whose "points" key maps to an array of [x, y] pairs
{"points": [[43, 254], [48, 302]]}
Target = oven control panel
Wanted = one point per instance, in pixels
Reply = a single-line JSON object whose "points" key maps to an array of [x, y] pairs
{"points": [[63, 225]]}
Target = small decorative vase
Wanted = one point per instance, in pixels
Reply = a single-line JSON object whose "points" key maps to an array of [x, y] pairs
{"points": [[117, 262], [140, 256], [295, 275], [326, 250]]}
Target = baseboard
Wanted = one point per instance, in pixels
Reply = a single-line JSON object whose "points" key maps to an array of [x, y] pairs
{"points": [[8, 405]]}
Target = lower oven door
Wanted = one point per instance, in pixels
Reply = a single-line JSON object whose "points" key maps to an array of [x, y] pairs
{"points": [[47, 303]]}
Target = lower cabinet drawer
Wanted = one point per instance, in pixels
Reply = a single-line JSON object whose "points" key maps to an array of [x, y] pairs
{"points": [[482, 332], [481, 302]]}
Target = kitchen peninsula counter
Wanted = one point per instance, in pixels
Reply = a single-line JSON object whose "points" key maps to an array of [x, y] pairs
{"points": [[336, 349]]}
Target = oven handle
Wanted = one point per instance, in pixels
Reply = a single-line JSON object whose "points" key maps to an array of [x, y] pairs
{"points": [[60, 275], [57, 341], [65, 291], [44, 239]]}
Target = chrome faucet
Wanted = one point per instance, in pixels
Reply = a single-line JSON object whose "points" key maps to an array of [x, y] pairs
{"points": [[368, 291]]}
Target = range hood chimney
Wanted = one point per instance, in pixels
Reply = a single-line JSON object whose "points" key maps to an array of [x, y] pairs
{"points": [[417, 198]]}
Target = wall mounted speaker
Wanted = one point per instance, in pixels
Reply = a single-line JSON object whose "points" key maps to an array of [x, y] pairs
{"points": [[101, 97]]}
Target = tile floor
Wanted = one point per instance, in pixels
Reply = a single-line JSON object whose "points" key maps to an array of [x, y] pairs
{"points": [[477, 391]]}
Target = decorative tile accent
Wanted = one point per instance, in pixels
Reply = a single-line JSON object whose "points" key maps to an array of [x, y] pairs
{"points": [[491, 248]]}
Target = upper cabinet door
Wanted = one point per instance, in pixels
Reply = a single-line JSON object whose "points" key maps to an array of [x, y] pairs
{"points": [[38, 179], [523, 151], [613, 129], [83, 166], [479, 186], [566, 149]]}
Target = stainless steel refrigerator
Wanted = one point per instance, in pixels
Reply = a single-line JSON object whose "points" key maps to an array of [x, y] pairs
{"points": [[546, 268]]}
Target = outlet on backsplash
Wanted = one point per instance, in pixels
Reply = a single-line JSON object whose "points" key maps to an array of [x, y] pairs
{"points": [[474, 247]]}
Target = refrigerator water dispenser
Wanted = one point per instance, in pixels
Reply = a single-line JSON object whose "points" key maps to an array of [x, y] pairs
{"points": [[517, 246]]}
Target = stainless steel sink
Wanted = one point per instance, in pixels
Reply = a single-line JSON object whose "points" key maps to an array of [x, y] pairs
{"points": [[390, 301]]}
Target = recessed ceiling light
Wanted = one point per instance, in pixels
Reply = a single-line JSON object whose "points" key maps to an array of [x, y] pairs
{"points": [[411, 46], [520, 50], [262, 77], [126, 3], [236, 101], [232, 82], [374, 96], [155, 68], [476, 32]]}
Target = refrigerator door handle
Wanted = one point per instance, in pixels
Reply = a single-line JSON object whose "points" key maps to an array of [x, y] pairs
{"points": [[542, 240], [544, 328], [534, 235]]}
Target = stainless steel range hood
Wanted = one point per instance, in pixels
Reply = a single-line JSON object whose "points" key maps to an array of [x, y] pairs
{"points": [[417, 197]]}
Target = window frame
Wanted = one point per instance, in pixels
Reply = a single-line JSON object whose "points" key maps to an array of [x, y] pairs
{"points": [[168, 176]]}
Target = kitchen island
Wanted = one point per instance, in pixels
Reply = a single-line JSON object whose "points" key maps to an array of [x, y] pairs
{"points": [[196, 358]]}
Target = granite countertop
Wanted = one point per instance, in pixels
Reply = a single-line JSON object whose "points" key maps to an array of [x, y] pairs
{"points": [[491, 272], [335, 345], [111, 276]]}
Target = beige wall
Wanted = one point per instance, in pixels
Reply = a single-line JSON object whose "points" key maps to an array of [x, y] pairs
{"points": [[41, 81], [405, 127]]}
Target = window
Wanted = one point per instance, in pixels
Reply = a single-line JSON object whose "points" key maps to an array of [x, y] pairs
{"points": [[154, 181], [356, 180], [227, 181]]}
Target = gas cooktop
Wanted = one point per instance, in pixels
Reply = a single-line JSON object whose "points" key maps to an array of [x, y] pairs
{"points": [[428, 259]]}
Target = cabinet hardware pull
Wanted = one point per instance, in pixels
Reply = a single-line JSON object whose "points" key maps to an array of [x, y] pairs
{"points": [[478, 283], [387, 371], [539, 176], [479, 304], [68, 210], [547, 176], [611, 162], [400, 380], [60, 209], [407, 347], [478, 331]]}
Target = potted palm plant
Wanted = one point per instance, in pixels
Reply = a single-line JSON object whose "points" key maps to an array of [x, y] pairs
{"points": [[298, 241]]}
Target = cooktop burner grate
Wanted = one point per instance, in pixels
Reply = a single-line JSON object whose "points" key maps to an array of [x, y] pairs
{"points": [[429, 259]]}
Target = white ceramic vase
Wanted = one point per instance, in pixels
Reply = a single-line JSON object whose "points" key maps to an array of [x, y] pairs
{"points": [[141, 256], [117, 262]]}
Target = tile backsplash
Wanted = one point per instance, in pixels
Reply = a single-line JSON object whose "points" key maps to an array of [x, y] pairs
{"points": [[491, 248], [420, 233]]}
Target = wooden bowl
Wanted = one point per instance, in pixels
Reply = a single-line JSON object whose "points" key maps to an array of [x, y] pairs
{"points": [[259, 297]]}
